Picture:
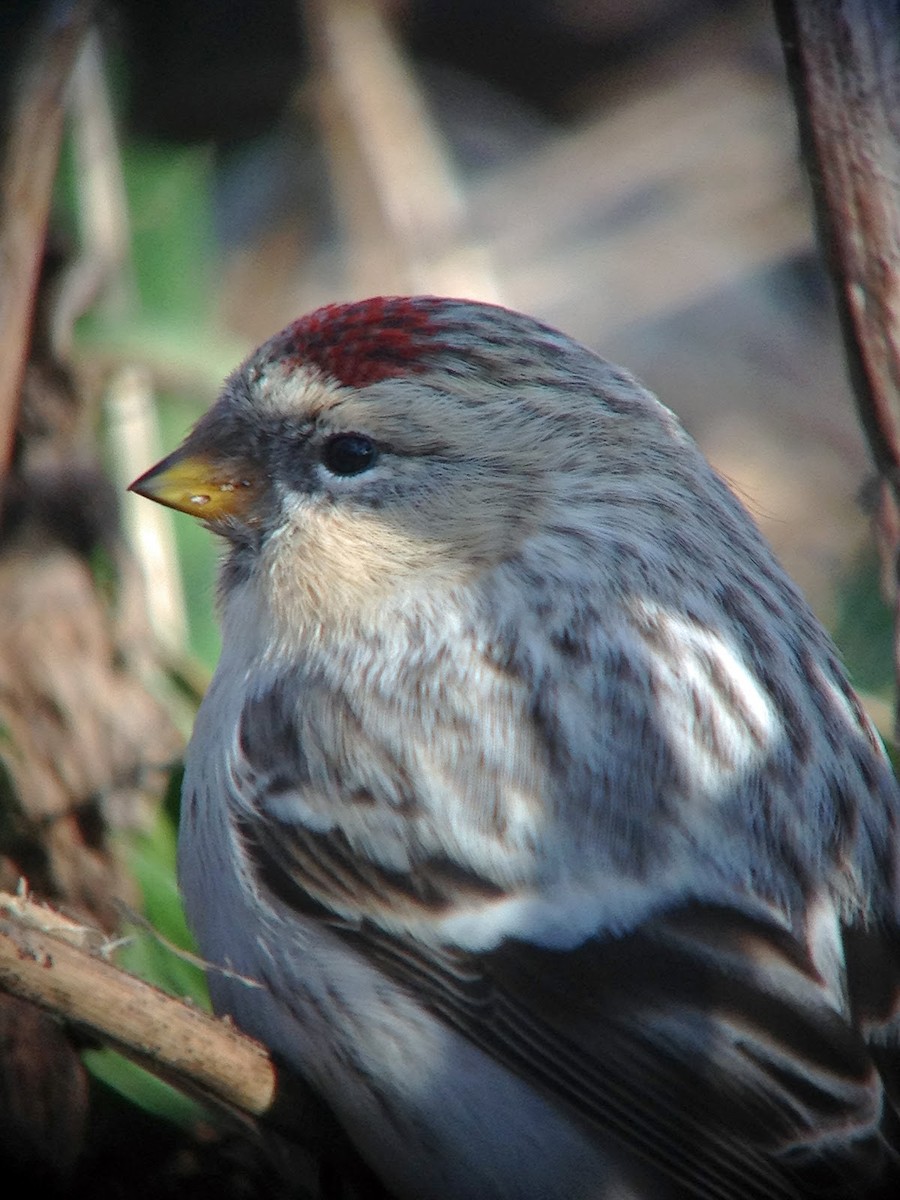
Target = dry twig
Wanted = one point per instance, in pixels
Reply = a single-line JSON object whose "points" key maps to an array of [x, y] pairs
{"points": [[54, 963], [843, 59], [27, 185]]}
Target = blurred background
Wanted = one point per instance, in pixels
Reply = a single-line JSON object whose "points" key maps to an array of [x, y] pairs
{"points": [[628, 172]]}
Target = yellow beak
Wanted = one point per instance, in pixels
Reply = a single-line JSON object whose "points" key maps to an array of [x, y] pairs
{"points": [[199, 485]]}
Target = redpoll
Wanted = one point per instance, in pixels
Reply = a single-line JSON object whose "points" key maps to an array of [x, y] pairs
{"points": [[527, 786]]}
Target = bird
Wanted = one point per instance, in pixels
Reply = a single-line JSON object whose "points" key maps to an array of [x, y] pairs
{"points": [[529, 815]]}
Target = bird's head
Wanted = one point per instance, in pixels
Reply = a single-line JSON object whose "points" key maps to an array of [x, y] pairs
{"points": [[407, 441]]}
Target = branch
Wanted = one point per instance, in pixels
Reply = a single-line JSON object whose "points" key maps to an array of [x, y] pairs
{"points": [[53, 962], [26, 189], [843, 63]]}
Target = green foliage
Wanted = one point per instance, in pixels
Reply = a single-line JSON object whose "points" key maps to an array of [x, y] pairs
{"points": [[169, 322], [142, 1089], [104, 573], [863, 628], [152, 861], [169, 199], [154, 958], [197, 548]]}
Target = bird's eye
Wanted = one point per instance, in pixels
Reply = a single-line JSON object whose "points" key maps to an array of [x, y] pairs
{"points": [[349, 453]]}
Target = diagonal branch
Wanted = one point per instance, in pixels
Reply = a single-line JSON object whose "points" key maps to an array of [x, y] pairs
{"points": [[26, 188], [47, 959], [843, 63]]}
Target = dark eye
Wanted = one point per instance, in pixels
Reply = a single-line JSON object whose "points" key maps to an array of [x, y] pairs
{"points": [[349, 453]]}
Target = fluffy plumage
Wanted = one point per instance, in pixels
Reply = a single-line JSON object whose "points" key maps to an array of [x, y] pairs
{"points": [[527, 785]]}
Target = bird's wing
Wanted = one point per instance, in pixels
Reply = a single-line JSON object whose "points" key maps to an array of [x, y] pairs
{"points": [[706, 1042], [712, 1043]]}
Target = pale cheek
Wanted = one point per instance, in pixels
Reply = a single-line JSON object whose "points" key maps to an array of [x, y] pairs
{"points": [[482, 523], [330, 568]]}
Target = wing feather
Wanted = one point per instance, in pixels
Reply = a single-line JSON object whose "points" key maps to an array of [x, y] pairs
{"points": [[706, 1042]]}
